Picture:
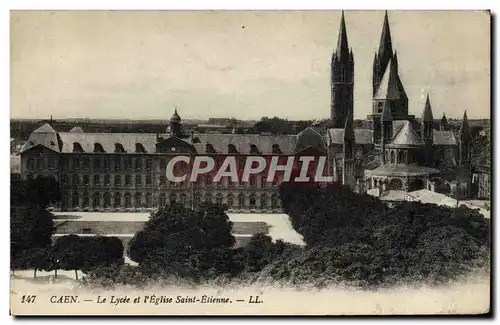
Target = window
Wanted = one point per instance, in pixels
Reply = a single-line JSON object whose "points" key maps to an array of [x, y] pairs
{"points": [[52, 162], [118, 180], [138, 163], [86, 200], [163, 199], [98, 147], [148, 200], [138, 179], [253, 181], [118, 200], [163, 164], [128, 200], [274, 201], [241, 201], [118, 163], [230, 201], [107, 180], [107, 200], [40, 163], [218, 198], [97, 163], [97, 180], [96, 198], [149, 164], [64, 179], [254, 150], [392, 157], [75, 199], [263, 181], [85, 163], [184, 200], [172, 198], [162, 181], [253, 201], [400, 157], [208, 197], [263, 201], [107, 163], [276, 149], [119, 148], [148, 180], [64, 164], [128, 180], [138, 200], [77, 147], [380, 107], [231, 149], [139, 148], [75, 180], [196, 199], [31, 164], [86, 179], [76, 163]]}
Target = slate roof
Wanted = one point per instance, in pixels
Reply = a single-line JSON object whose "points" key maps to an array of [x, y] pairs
{"points": [[45, 136], [362, 136], [243, 142], [108, 141], [406, 137], [76, 129], [391, 86], [310, 138]]}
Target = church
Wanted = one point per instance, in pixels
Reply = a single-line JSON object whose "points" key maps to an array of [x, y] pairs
{"points": [[394, 150]]}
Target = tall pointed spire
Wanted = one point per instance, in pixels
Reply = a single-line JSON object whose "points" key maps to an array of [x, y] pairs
{"points": [[464, 128], [342, 43], [395, 60], [443, 126], [385, 46], [427, 115]]}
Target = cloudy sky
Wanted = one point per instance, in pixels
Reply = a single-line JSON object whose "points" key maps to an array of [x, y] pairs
{"points": [[139, 65]]}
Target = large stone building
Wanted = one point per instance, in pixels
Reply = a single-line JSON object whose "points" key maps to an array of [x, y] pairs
{"points": [[395, 151], [127, 171]]}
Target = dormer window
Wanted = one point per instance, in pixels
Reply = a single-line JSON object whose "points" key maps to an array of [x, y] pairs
{"points": [[139, 148], [276, 149], [52, 143], [77, 147], [119, 147], [98, 147], [254, 150], [209, 148], [196, 140], [231, 149]]}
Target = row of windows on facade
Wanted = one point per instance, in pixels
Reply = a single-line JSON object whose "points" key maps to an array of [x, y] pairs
{"points": [[145, 201], [202, 180], [119, 163], [399, 157]]}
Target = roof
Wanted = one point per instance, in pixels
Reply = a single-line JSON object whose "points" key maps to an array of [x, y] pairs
{"points": [[362, 136], [391, 195], [406, 137], [46, 128], [108, 141], [400, 170], [427, 115], [391, 86], [76, 129], [310, 138], [444, 138], [175, 117], [243, 142]]}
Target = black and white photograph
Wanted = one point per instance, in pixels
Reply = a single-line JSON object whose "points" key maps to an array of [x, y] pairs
{"points": [[250, 162]]}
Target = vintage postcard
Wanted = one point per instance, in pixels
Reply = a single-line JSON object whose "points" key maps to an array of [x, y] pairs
{"points": [[250, 162]]}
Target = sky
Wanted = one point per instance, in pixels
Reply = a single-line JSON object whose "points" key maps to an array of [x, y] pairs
{"points": [[242, 64]]}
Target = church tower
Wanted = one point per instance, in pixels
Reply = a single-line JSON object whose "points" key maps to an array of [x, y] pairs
{"points": [[384, 55], [342, 80], [427, 130], [443, 125], [349, 148], [175, 125], [464, 149]]}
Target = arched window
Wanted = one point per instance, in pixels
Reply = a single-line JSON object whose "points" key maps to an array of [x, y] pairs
{"points": [[139, 148], [276, 149], [138, 179], [107, 200], [119, 148], [241, 201], [392, 157], [400, 157], [118, 200], [231, 149], [98, 147], [77, 147]]}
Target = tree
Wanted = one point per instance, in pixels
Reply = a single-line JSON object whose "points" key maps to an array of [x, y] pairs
{"points": [[43, 190]]}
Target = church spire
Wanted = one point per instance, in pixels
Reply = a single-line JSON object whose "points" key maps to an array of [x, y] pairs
{"points": [[385, 46], [444, 123], [427, 115], [464, 129], [342, 43]]}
